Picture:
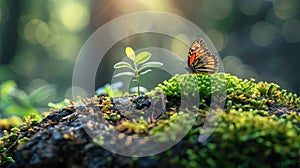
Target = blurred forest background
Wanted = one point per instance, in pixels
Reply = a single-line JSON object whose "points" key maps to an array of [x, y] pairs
{"points": [[40, 40]]}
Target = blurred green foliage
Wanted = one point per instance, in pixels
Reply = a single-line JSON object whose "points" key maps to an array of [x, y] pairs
{"points": [[39, 41], [16, 102], [253, 37]]}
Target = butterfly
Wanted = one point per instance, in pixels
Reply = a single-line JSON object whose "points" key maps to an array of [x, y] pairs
{"points": [[200, 58]]}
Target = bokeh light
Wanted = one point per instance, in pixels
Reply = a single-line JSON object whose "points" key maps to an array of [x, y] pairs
{"points": [[73, 15], [53, 35], [291, 31], [41, 32], [236, 66], [217, 38], [36, 31], [285, 9], [230, 63], [66, 48], [41, 39], [263, 33]]}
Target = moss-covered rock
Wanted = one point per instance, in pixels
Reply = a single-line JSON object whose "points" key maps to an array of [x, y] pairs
{"points": [[259, 127]]}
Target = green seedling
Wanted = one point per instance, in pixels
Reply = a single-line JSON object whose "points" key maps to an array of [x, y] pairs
{"points": [[140, 66]]}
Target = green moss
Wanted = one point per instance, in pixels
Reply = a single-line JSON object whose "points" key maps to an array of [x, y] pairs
{"points": [[15, 138], [250, 133], [241, 94], [7, 123], [245, 139]]}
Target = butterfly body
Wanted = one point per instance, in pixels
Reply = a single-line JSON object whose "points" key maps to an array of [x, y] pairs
{"points": [[200, 59]]}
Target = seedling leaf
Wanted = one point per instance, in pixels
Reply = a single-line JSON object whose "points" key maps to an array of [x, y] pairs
{"points": [[122, 65], [130, 53], [142, 57], [151, 65], [124, 74], [145, 72]]}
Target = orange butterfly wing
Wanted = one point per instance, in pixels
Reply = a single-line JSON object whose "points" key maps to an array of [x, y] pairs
{"points": [[200, 59], [191, 59]]}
